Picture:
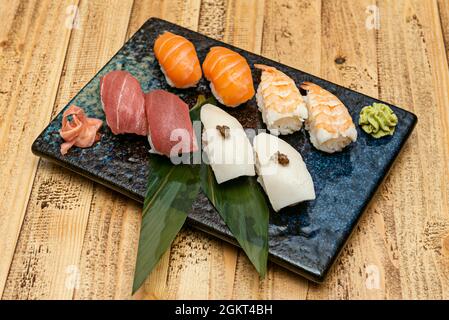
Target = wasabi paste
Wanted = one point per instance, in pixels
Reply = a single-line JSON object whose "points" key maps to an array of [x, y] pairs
{"points": [[378, 120]]}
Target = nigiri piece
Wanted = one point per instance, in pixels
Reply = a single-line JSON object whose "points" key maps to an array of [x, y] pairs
{"points": [[230, 77], [329, 123], [170, 130], [123, 103], [178, 60], [282, 172], [80, 131], [282, 105], [226, 145]]}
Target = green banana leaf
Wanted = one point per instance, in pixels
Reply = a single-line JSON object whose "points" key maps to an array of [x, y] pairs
{"points": [[170, 195], [201, 101], [242, 205]]}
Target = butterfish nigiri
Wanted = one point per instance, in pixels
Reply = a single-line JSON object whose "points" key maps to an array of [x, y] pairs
{"points": [[178, 60], [229, 75], [228, 149], [170, 130], [282, 172], [282, 106], [123, 103], [329, 123]]}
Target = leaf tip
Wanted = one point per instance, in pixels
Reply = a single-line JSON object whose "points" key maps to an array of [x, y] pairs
{"points": [[137, 283]]}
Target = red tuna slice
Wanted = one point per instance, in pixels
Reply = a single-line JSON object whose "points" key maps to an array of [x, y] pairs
{"points": [[170, 129], [123, 103]]}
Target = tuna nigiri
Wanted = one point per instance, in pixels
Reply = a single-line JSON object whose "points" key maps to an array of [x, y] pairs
{"points": [[229, 75], [330, 125], [282, 106], [123, 103], [178, 60], [170, 130]]}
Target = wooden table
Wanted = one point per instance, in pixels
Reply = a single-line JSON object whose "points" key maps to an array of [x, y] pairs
{"points": [[62, 236]]}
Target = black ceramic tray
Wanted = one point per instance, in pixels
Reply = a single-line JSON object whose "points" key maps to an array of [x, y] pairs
{"points": [[305, 239]]}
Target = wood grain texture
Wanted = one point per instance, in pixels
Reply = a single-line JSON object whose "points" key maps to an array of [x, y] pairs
{"points": [[109, 247], [53, 233], [292, 33], [413, 73], [78, 240], [185, 13], [352, 62], [33, 43]]}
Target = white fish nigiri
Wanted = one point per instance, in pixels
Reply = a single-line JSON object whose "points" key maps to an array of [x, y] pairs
{"points": [[282, 172], [330, 125], [228, 149]]}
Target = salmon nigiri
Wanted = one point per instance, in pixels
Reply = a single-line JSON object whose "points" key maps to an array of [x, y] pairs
{"points": [[329, 123], [178, 60], [230, 76]]}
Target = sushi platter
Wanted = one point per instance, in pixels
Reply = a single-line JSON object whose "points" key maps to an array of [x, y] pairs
{"points": [[319, 151]]}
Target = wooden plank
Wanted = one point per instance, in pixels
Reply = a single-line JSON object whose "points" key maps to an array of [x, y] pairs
{"points": [[33, 44], [110, 247], [413, 73], [349, 57], [292, 33], [181, 12], [47, 259]]}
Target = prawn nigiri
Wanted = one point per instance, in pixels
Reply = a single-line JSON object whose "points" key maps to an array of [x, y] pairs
{"points": [[329, 123], [178, 60], [229, 75], [282, 105]]}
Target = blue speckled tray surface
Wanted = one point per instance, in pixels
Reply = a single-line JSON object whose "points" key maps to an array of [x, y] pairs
{"points": [[306, 238]]}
